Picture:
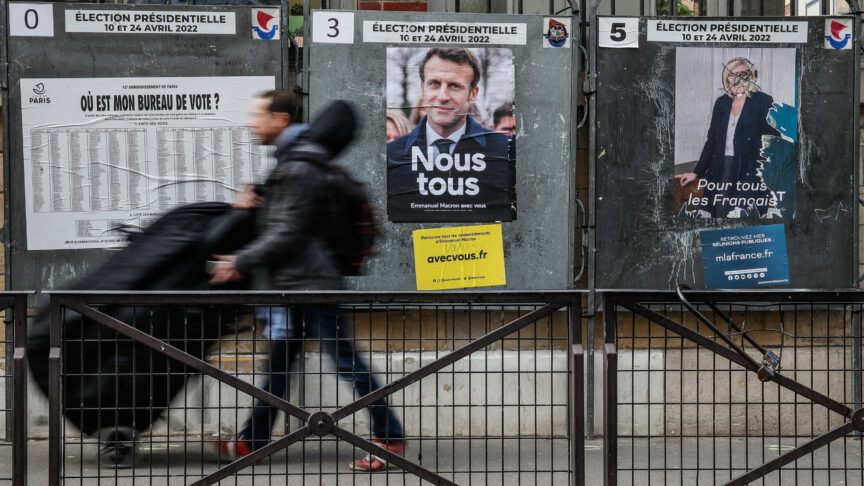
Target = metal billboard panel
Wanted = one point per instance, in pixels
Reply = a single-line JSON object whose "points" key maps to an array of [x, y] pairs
{"points": [[120, 52], [538, 242], [654, 106]]}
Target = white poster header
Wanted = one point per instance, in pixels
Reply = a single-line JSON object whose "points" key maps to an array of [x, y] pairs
{"points": [[397, 32], [150, 22], [732, 31]]}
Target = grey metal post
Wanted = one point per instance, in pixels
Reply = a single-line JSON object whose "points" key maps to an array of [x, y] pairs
{"points": [[856, 313], [589, 88], [4, 92]]}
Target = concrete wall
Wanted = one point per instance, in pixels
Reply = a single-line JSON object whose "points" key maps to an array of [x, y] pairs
{"points": [[506, 393]]}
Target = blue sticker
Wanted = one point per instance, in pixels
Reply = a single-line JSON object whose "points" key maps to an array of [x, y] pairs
{"points": [[738, 258]]}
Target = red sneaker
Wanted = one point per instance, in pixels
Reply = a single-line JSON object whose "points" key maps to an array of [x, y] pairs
{"points": [[233, 449], [373, 463]]}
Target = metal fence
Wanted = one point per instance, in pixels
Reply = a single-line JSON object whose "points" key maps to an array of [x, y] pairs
{"points": [[733, 387], [488, 387], [13, 414]]}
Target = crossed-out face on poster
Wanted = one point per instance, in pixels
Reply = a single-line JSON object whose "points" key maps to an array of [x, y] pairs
{"points": [[736, 124], [450, 135]]}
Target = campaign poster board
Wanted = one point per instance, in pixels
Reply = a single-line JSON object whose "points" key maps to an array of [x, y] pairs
{"points": [[665, 101], [348, 54], [462, 98], [94, 169]]}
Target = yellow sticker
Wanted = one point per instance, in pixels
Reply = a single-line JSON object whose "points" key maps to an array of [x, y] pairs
{"points": [[459, 257]]}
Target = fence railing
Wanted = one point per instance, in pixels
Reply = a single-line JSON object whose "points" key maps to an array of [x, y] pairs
{"points": [[733, 387], [485, 387], [13, 414]]}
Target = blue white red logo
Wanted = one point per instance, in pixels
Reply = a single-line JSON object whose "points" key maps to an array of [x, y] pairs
{"points": [[838, 34], [265, 23]]}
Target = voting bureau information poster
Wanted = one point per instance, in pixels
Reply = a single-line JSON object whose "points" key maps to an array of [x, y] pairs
{"points": [[101, 153], [450, 134]]}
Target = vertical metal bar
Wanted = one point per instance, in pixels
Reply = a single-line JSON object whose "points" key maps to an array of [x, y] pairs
{"points": [[610, 394], [730, 8], [577, 395], [590, 378], [856, 355], [19, 393], [457, 7], [4, 110], [285, 41], [856, 149], [303, 77], [55, 422]]}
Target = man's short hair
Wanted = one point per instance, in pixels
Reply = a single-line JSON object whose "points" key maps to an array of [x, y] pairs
{"points": [[503, 111], [457, 55], [282, 101]]}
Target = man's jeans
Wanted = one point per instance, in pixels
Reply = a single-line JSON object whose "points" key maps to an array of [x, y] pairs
{"points": [[324, 325]]}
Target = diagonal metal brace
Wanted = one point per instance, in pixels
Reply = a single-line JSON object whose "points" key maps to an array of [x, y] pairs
{"points": [[192, 362], [254, 457], [388, 456], [714, 328], [731, 355], [794, 454], [447, 360]]}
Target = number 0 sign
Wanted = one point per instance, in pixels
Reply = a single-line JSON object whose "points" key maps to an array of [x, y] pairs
{"points": [[618, 32], [333, 27], [31, 19]]}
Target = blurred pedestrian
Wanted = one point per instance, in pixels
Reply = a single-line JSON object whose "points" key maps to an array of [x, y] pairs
{"points": [[294, 251]]}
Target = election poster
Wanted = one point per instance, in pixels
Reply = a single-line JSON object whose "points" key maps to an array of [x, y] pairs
{"points": [[736, 126], [459, 257], [104, 153], [450, 134], [747, 257]]}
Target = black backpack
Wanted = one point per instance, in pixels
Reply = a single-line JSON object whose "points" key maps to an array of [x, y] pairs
{"points": [[353, 223]]}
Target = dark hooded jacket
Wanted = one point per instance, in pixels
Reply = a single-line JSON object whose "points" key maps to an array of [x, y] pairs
{"points": [[292, 251]]}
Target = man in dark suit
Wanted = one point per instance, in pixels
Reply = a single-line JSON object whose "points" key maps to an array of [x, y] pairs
{"points": [[450, 168]]}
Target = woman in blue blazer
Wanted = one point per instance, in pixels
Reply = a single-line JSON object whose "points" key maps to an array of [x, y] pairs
{"points": [[728, 170]]}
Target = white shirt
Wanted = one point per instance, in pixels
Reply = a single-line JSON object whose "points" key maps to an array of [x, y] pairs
{"points": [[730, 134], [432, 137]]}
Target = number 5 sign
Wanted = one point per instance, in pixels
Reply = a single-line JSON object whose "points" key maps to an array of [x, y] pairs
{"points": [[618, 32], [31, 19], [333, 27]]}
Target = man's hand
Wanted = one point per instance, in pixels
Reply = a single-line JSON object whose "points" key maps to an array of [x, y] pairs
{"points": [[247, 199], [686, 178], [225, 270]]}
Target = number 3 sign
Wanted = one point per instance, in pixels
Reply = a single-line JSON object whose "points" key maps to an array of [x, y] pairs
{"points": [[333, 27], [618, 31]]}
